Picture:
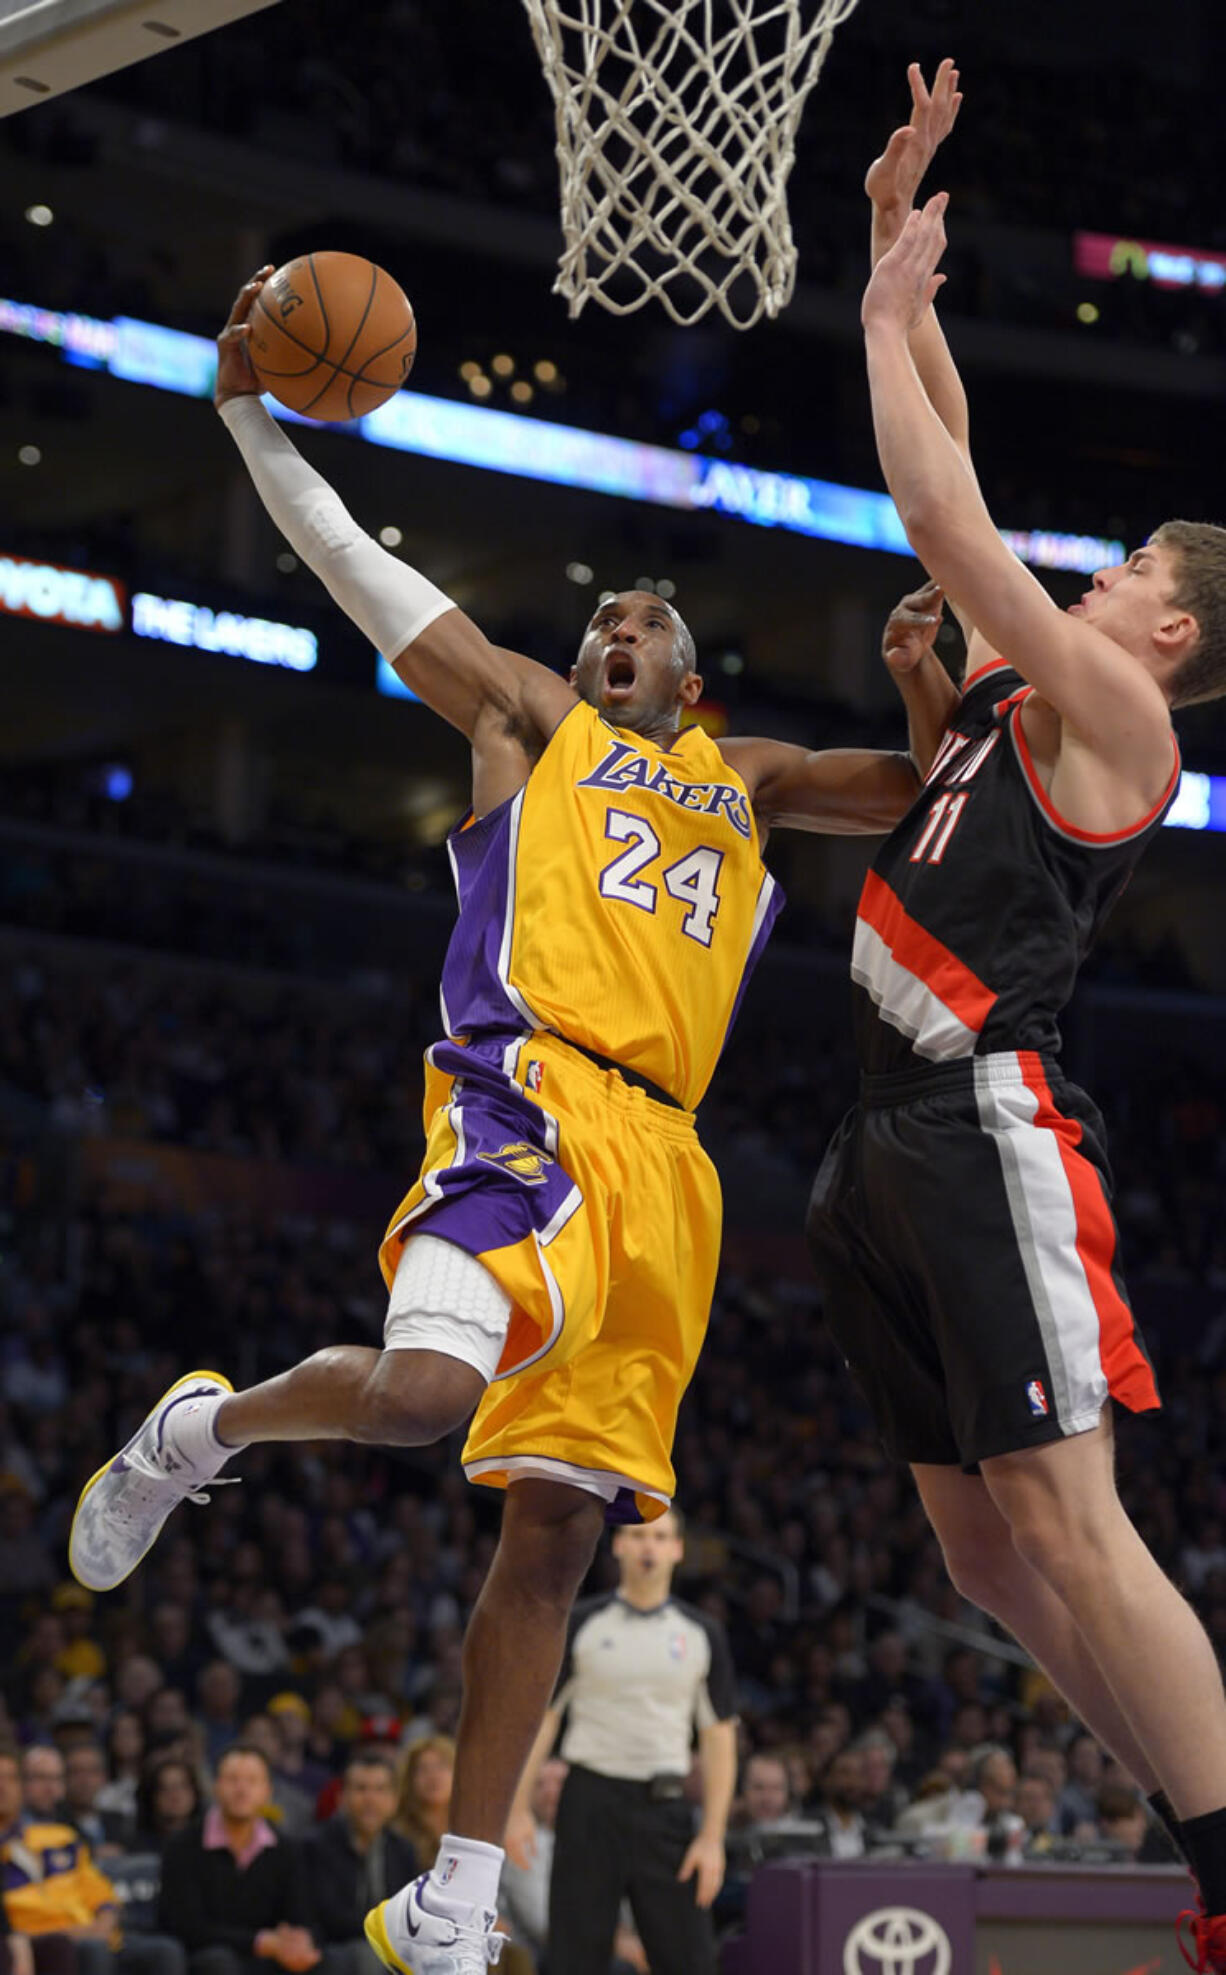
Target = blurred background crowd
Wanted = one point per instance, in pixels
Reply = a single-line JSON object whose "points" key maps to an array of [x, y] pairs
{"points": [[199, 1162]]}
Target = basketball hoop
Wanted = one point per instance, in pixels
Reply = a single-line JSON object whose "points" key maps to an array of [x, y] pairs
{"points": [[676, 130]]}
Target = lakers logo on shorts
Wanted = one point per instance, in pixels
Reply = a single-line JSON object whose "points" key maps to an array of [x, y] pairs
{"points": [[522, 1160]]}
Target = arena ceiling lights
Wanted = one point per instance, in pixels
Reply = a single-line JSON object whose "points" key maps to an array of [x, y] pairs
{"points": [[48, 47]]}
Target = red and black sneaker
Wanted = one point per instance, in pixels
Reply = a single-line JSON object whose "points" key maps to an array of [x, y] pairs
{"points": [[1206, 1933]]}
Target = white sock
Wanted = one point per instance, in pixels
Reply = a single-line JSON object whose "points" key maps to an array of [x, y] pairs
{"points": [[465, 1875], [192, 1431]]}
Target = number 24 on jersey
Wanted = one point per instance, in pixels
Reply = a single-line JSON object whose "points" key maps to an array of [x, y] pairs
{"points": [[693, 880]]}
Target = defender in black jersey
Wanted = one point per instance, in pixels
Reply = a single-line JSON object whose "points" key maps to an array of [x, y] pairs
{"points": [[1011, 1329], [961, 1221]]}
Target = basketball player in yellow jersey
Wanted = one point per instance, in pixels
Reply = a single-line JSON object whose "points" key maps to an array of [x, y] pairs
{"points": [[553, 1266]]}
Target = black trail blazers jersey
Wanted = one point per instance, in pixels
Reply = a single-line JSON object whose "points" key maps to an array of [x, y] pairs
{"points": [[983, 902]]}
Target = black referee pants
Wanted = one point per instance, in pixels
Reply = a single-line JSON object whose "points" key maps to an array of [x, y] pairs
{"points": [[613, 1842]]}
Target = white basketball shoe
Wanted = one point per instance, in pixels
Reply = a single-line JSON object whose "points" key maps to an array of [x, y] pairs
{"points": [[412, 1941], [123, 1507]]}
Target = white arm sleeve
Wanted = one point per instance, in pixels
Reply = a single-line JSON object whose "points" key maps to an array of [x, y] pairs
{"points": [[391, 603]]}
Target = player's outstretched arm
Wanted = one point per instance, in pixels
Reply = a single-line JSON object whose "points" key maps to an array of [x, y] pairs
{"points": [[1107, 698], [436, 649], [860, 791], [891, 183], [836, 791]]}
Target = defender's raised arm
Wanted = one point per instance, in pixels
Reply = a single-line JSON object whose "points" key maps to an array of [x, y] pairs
{"points": [[891, 184], [1111, 702]]}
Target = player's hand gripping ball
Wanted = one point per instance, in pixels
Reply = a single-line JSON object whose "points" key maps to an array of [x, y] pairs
{"points": [[331, 336]]}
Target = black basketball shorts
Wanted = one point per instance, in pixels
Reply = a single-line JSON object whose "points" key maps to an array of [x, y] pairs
{"points": [[961, 1227]]}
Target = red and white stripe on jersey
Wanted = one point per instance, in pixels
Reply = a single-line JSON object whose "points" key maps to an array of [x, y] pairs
{"points": [[916, 983], [1091, 838], [1066, 1239]]}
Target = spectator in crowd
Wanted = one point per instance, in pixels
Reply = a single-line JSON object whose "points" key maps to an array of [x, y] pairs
{"points": [[219, 1693], [425, 1796], [294, 1767], [84, 1779], [766, 1792], [250, 1633], [1043, 1758], [172, 1644], [836, 1806], [763, 1819], [137, 1679], [325, 1747], [889, 1676], [232, 1891], [42, 1783], [1079, 1797], [288, 1806], [1122, 1818], [167, 1802], [933, 1806], [898, 1723], [53, 1887], [330, 1618], [26, 1950], [884, 1799], [80, 1657], [967, 1724], [827, 1735], [124, 1755], [355, 1860], [168, 1724], [1036, 1806], [990, 1803]]}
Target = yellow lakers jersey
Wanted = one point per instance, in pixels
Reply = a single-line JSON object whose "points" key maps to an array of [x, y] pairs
{"points": [[618, 900]]}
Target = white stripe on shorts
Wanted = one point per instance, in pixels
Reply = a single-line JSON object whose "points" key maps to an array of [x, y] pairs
{"points": [[1045, 1225], [604, 1482]]}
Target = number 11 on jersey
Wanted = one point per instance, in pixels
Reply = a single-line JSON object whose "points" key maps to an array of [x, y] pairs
{"points": [[942, 821]]}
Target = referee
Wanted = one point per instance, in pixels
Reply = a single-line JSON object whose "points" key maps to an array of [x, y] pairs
{"points": [[641, 1673]]}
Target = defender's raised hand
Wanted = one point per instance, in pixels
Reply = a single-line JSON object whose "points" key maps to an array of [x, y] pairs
{"points": [[235, 377], [894, 178], [905, 280], [911, 628]]}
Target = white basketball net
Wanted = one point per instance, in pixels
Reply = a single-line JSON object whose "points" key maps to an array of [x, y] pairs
{"points": [[676, 135]]}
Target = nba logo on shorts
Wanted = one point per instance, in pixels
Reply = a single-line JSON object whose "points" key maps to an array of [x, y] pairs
{"points": [[535, 1076], [1037, 1398]]}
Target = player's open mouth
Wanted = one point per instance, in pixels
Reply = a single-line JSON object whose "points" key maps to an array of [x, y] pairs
{"points": [[620, 675]]}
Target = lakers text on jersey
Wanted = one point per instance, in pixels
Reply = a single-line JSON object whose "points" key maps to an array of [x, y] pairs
{"points": [[619, 900]]}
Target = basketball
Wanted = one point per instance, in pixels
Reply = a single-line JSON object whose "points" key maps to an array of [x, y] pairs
{"points": [[332, 336]]}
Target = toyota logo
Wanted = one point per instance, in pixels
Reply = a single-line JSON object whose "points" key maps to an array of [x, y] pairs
{"points": [[897, 1940]]}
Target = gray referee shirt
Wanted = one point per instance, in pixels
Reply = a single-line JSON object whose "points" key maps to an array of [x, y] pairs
{"points": [[636, 1684]]}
